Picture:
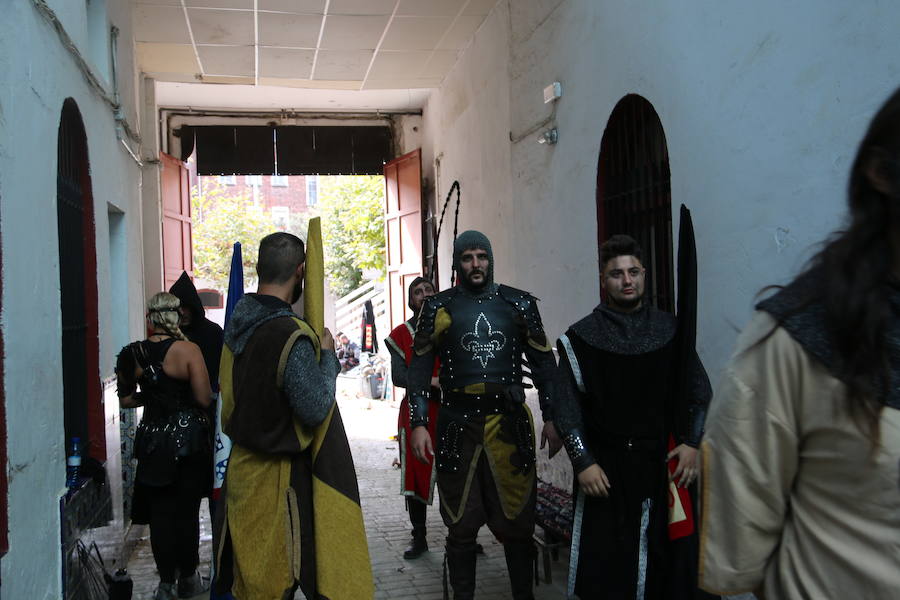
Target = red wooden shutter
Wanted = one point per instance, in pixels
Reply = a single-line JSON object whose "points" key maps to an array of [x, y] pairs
{"points": [[403, 235], [178, 249]]}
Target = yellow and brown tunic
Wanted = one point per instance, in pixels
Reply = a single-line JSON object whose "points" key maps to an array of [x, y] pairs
{"points": [[291, 502]]}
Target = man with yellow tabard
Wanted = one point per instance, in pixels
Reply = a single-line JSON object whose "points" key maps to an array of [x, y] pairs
{"points": [[485, 436], [291, 503]]}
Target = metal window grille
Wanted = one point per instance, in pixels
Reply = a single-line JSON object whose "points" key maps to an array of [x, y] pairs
{"points": [[70, 210], [634, 192]]}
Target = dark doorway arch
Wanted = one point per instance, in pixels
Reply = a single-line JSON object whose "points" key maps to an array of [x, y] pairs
{"points": [[83, 414], [634, 191]]}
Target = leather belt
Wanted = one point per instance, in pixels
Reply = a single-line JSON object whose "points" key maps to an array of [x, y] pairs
{"points": [[631, 444], [486, 404]]}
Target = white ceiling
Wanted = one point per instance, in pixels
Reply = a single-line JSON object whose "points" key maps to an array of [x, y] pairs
{"points": [[309, 44]]}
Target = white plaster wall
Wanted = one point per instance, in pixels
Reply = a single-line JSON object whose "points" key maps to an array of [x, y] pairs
{"points": [[36, 76], [408, 133], [762, 106], [151, 209], [466, 129]]}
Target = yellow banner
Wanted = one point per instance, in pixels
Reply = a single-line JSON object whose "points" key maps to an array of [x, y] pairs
{"points": [[314, 278]]}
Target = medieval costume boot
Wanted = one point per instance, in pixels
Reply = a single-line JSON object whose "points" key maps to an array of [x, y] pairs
{"points": [[417, 517], [418, 546], [520, 563], [461, 562]]}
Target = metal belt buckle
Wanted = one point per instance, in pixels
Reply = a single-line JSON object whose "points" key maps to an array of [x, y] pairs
{"points": [[629, 444]]}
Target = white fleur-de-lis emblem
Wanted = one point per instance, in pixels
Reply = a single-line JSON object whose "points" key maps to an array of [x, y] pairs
{"points": [[483, 341]]}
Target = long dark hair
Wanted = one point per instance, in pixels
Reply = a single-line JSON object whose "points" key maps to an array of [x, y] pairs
{"points": [[853, 269]]}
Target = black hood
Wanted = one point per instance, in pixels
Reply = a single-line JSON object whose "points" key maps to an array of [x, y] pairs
{"points": [[409, 292], [201, 331], [184, 290]]}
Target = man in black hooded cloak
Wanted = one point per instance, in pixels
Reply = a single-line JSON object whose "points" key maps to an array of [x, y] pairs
{"points": [[197, 327], [208, 336]]}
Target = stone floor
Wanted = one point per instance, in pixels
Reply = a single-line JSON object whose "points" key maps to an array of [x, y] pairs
{"points": [[370, 425]]}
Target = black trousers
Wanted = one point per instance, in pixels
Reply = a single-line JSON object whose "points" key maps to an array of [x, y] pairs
{"points": [[174, 512], [416, 510]]}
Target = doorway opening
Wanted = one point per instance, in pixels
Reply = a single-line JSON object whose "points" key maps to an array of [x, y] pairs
{"points": [[237, 178], [245, 208], [634, 192]]}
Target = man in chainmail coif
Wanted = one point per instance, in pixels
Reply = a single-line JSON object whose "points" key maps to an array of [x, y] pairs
{"points": [[485, 452]]}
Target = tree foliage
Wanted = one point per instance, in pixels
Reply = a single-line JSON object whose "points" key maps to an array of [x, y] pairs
{"points": [[223, 216], [352, 210]]}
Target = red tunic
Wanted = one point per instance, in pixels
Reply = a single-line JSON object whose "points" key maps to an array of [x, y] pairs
{"points": [[417, 478]]}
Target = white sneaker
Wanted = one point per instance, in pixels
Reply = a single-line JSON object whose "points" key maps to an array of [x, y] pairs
{"points": [[165, 591], [188, 587]]}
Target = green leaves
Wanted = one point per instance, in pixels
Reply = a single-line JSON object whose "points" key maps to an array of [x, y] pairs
{"points": [[223, 216], [352, 210]]}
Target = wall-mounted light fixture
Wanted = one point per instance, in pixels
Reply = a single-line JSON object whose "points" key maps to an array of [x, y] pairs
{"points": [[552, 92], [551, 136]]}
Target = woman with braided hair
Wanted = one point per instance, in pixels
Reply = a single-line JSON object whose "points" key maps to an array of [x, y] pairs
{"points": [[166, 375]]}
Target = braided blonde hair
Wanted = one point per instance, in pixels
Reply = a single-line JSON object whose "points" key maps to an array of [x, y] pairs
{"points": [[163, 314]]}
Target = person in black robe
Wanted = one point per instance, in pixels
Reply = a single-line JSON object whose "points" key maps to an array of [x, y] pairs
{"points": [[197, 327], [209, 337], [620, 419]]}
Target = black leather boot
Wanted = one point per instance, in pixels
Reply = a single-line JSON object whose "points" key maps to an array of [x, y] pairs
{"points": [[520, 563], [418, 546], [461, 563]]}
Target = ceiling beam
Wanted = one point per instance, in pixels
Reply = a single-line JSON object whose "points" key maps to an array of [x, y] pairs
{"points": [[255, 42], [365, 78], [187, 22], [312, 71]]}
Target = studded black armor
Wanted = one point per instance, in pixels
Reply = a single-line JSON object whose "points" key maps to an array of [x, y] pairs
{"points": [[483, 343], [487, 336]]}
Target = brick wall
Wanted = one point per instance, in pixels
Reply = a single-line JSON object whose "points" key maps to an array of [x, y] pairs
{"points": [[293, 195]]}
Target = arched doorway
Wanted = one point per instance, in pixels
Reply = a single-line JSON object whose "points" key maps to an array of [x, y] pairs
{"points": [[634, 191], [82, 406]]}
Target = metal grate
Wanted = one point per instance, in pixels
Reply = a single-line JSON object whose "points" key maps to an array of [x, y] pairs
{"points": [[71, 167], [634, 191]]}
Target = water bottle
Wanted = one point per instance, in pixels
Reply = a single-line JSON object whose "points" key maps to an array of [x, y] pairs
{"points": [[120, 585], [73, 463]]}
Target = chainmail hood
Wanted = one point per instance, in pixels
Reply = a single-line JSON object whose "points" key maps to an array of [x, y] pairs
{"points": [[644, 330], [409, 292], [468, 240], [805, 322]]}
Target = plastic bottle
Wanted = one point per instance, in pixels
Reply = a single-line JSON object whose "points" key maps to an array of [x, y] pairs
{"points": [[73, 463], [120, 585]]}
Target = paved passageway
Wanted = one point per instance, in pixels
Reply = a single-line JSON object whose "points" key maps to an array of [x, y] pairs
{"points": [[370, 425]]}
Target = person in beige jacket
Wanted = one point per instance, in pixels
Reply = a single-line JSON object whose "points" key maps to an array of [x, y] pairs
{"points": [[801, 458]]}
